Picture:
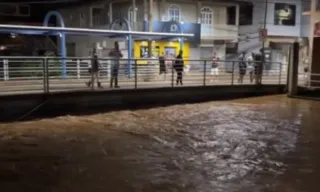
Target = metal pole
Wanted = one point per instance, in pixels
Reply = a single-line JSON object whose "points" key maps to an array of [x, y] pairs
{"points": [[232, 77], [92, 77], [130, 48], [280, 73], [47, 74], [265, 21], [135, 74], [204, 73], [172, 74], [263, 42], [150, 27], [44, 75]]}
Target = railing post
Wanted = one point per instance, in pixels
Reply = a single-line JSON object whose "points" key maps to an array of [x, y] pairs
{"points": [[6, 69], [78, 69], [44, 75], [204, 73], [280, 73], [135, 74], [47, 74], [109, 68], [92, 79], [232, 76], [172, 74]]}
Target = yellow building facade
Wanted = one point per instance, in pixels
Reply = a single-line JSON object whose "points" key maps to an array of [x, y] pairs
{"points": [[158, 47]]}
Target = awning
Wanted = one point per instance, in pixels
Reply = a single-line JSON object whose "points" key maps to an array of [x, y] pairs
{"points": [[37, 30]]}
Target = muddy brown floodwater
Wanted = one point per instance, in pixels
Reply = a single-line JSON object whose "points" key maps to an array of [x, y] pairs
{"points": [[257, 144]]}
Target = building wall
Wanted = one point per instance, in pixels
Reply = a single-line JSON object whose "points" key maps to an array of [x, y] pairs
{"points": [[249, 36], [190, 12]]}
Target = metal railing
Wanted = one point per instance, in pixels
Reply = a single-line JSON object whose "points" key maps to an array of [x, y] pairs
{"points": [[44, 74], [309, 80]]}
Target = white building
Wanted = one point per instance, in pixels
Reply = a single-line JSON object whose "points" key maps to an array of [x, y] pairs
{"points": [[227, 27], [218, 25]]}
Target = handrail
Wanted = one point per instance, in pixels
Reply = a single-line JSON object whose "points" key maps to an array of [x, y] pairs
{"points": [[43, 74], [124, 59]]}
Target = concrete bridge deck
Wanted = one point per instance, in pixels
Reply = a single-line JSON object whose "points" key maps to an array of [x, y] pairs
{"points": [[12, 87]]}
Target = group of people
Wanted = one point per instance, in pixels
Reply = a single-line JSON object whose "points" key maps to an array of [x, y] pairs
{"points": [[253, 65], [176, 63], [94, 70]]}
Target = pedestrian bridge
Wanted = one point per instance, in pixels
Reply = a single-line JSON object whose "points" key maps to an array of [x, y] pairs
{"points": [[37, 86], [24, 75]]}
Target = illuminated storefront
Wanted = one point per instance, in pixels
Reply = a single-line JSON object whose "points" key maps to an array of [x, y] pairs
{"points": [[170, 48]]}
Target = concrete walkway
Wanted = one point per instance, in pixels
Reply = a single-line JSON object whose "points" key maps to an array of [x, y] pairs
{"points": [[56, 85]]}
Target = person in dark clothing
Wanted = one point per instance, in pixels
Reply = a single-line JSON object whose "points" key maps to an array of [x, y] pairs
{"points": [[162, 65], [242, 67], [116, 54], [258, 67], [94, 70], [178, 66]]}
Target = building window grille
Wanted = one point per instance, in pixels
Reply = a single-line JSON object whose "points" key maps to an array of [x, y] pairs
{"points": [[174, 13], [206, 16]]}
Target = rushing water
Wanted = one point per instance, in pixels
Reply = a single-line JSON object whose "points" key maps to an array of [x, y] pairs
{"points": [[257, 144]]}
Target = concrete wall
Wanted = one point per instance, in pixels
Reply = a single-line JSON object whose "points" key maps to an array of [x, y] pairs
{"points": [[56, 104]]}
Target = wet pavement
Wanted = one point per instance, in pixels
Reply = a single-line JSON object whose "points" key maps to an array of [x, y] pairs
{"points": [[257, 144]]}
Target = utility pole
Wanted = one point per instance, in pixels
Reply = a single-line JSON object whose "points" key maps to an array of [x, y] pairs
{"points": [[150, 28], [265, 24]]}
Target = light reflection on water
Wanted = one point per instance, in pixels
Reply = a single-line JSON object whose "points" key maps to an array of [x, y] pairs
{"points": [[241, 145]]}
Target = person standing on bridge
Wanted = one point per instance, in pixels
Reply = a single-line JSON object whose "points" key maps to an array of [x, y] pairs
{"points": [[162, 66], [116, 54], [178, 66], [94, 69], [242, 67], [215, 67]]}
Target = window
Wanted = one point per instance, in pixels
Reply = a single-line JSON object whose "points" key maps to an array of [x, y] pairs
{"points": [[231, 15], [97, 17], [231, 48], [206, 16], [246, 14], [174, 13], [131, 14]]}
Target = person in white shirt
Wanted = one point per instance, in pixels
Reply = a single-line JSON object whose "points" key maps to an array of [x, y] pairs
{"points": [[250, 67], [215, 67]]}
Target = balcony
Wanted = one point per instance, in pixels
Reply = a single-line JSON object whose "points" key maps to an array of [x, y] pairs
{"points": [[219, 32]]}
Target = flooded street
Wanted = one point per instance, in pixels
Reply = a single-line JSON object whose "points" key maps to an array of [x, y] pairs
{"points": [[248, 145]]}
